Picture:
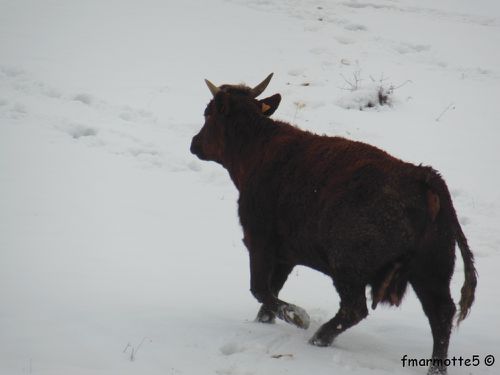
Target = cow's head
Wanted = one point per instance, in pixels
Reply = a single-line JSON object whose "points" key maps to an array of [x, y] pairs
{"points": [[230, 107]]}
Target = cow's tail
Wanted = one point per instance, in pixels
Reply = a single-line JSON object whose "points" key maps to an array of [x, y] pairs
{"points": [[445, 206], [470, 282]]}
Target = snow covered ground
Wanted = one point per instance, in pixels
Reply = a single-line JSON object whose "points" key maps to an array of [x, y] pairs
{"points": [[121, 253]]}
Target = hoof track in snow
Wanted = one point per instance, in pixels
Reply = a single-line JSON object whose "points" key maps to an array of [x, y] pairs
{"points": [[296, 72], [12, 110], [318, 51], [342, 39], [11, 71], [84, 98], [355, 27], [232, 348], [79, 130], [404, 48]]}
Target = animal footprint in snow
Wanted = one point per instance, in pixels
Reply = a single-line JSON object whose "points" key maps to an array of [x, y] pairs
{"points": [[404, 48], [77, 131], [232, 348], [355, 27], [131, 114], [296, 72], [84, 98]]}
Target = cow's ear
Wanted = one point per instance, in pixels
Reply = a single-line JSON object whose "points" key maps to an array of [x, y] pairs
{"points": [[269, 105], [222, 103]]}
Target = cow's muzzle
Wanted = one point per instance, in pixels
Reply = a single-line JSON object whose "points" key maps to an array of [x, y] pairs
{"points": [[196, 147]]}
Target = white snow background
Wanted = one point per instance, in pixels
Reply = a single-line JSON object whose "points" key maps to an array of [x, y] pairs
{"points": [[121, 253]]}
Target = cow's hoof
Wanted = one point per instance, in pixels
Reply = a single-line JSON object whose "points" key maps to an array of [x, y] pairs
{"points": [[265, 316], [322, 338], [294, 315], [316, 341], [433, 370]]}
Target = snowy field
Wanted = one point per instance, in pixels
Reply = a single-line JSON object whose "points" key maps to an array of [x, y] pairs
{"points": [[121, 253]]}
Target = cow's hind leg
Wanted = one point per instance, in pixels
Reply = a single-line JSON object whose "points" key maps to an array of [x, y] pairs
{"points": [[434, 295], [352, 311], [278, 278]]}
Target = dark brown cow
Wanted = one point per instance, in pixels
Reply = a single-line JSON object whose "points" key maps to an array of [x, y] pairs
{"points": [[344, 208]]}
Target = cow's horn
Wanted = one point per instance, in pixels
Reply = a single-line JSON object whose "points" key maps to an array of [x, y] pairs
{"points": [[213, 89], [257, 90]]}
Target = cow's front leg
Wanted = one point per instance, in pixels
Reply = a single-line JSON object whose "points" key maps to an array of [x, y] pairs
{"points": [[261, 271], [279, 276]]}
